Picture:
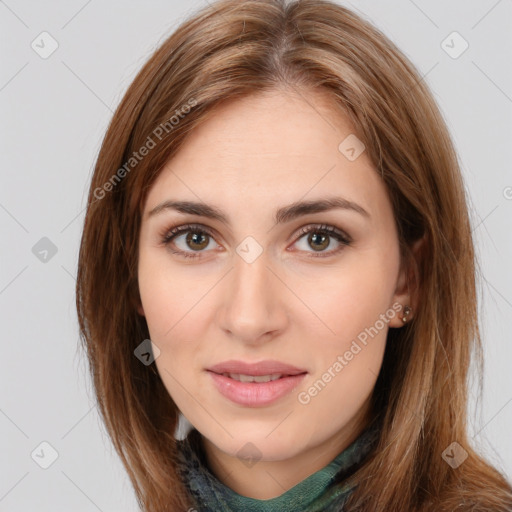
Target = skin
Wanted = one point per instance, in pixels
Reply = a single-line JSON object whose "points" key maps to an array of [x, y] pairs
{"points": [[253, 156]]}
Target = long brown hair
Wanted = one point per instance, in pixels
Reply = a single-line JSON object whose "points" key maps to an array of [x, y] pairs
{"points": [[231, 49]]}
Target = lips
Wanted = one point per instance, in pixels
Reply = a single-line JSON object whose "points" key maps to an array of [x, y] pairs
{"points": [[255, 384], [253, 378], [267, 367]]}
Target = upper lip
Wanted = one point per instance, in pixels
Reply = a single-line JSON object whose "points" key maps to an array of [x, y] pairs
{"points": [[266, 367]]}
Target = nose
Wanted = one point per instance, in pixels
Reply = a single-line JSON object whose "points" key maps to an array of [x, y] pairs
{"points": [[254, 309]]}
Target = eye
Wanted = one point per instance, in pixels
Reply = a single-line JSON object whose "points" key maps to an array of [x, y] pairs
{"points": [[198, 237], [319, 237]]}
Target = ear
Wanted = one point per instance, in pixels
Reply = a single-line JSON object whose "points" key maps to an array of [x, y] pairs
{"points": [[407, 286], [140, 309]]}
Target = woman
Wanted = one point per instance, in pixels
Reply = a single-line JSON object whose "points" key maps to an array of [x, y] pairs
{"points": [[278, 207]]}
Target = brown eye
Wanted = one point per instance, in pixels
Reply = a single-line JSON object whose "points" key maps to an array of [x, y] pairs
{"points": [[318, 241], [320, 237], [197, 241]]}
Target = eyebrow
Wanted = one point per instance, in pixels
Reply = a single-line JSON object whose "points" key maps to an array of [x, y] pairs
{"points": [[282, 215]]}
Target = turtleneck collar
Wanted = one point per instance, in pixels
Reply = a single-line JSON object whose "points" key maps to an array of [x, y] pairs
{"points": [[316, 493]]}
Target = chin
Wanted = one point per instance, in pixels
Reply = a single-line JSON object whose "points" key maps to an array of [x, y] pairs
{"points": [[256, 444]]}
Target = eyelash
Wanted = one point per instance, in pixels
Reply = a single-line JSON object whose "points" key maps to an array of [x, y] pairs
{"points": [[170, 234]]}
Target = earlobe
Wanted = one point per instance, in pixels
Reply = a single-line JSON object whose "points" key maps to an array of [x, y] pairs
{"points": [[406, 311], [401, 314], [140, 309], [407, 289]]}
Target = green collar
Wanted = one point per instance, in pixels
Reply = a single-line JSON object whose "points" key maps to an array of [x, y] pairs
{"points": [[316, 493]]}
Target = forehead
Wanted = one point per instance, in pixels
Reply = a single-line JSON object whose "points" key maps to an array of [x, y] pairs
{"points": [[273, 124], [275, 147]]}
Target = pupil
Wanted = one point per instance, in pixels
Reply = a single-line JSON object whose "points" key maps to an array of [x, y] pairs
{"points": [[192, 237], [323, 238]]}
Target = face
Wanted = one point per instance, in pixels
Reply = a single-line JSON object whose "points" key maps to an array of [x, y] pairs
{"points": [[316, 289]]}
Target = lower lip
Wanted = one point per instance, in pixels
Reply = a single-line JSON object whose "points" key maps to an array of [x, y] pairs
{"points": [[254, 394]]}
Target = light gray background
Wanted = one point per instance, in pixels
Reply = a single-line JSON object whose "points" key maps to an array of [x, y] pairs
{"points": [[54, 113]]}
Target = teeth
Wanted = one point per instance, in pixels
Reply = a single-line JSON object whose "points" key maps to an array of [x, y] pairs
{"points": [[253, 378]]}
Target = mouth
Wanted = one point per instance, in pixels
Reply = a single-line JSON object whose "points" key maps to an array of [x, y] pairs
{"points": [[261, 385], [267, 368], [256, 378]]}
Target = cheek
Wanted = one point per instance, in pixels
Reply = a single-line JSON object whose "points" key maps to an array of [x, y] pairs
{"points": [[178, 314], [169, 295], [347, 360], [348, 299], [158, 300], [173, 315], [175, 324]]}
